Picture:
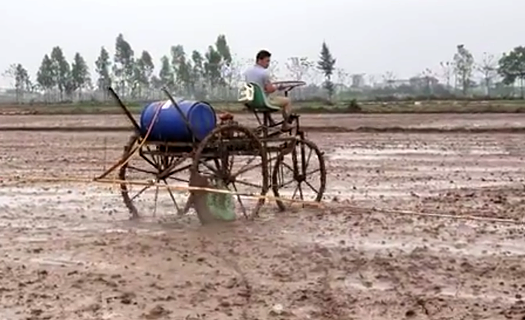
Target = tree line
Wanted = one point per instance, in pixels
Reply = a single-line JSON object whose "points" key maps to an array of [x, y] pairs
{"points": [[215, 74]]}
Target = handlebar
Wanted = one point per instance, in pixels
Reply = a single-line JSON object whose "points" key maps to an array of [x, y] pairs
{"points": [[289, 85]]}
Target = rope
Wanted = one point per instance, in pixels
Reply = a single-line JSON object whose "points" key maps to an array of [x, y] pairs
{"points": [[271, 198], [170, 187]]}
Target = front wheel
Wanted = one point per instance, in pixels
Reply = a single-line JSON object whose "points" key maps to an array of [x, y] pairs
{"points": [[299, 174]]}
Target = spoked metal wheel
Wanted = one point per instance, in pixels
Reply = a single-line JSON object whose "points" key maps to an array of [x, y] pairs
{"points": [[233, 158], [146, 166], [299, 174]]}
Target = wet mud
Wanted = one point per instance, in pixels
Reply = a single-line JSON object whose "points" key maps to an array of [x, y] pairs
{"points": [[68, 250]]}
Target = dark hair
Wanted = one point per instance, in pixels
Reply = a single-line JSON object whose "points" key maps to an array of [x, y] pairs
{"points": [[262, 54]]}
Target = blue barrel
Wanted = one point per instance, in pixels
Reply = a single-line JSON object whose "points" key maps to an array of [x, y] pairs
{"points": [[170, 125]]}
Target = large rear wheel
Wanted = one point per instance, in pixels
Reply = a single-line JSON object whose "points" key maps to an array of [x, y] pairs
{"points": [[233, 158]]}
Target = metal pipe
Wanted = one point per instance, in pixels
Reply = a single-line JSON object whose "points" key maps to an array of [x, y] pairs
{"points": [[124, 108]]}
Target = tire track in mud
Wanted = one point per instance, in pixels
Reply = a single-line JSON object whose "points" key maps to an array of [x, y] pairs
{"points": [[328, 129]]}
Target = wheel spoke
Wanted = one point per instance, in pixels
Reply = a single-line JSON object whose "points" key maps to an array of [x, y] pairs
{"points": [[240, 201], [172, 196], [307, 162], [295, 191], [156, 198], [282, 185], [249, 184], [245, 169], [311, 187], [140, 192], [141, 170], [312, 172], [178, 179]]}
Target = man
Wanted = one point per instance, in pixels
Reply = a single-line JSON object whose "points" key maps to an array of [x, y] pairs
{"points": [[260, 75]]}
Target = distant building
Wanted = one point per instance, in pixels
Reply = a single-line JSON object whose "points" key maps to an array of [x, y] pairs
{"points": [[358, 80]]}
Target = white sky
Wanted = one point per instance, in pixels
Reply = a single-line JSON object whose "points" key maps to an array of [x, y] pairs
{"points": [[366, 36]]}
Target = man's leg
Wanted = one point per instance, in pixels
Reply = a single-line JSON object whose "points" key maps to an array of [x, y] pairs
{"points": [[285, 104]]}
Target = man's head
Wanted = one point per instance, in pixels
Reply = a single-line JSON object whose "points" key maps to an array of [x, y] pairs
{"points": [[263, 58]]}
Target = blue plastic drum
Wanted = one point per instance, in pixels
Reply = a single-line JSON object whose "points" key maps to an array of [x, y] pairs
{"points": [[170, 125]]}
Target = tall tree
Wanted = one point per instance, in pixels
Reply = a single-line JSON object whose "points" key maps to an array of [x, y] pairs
{"points": [[197, 74], [181, 68], [446, 71], [225, 64], [223, 49], [80, 76], [463, 67], [45, 76], [488, 68], [61, 72], [212, 69], [326, 64], [102, 68], [512, 67], [298, 67], [124, 64], [21, 78], [143, 72], [166, 76], [156, 83]]}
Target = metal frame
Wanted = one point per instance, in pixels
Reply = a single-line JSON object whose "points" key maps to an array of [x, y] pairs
{"points": [[266, 141]]}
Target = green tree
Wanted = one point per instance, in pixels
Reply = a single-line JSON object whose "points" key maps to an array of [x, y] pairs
{"points": [[182, 69], [156, 83], [102, 68], [197, 74], [21, 78], [512, 67], [223, 49], [212, 69], [61, 72], [143, 72], [463, 67], [45, 77], [80, 76], [326, 64], [166, 76], [124, 65]]}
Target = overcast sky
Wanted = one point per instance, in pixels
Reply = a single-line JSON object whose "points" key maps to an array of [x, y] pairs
{"points": [[366, 36]]}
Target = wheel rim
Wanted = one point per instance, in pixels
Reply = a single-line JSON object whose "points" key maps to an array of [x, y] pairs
{"points": [[146, 166], [299, 174], [234, 157]]}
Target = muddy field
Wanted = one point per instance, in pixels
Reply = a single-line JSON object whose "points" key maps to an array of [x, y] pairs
{"points": [[384, 247]]}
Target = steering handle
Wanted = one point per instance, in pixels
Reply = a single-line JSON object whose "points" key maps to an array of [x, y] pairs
{"points": [[289, 85]]}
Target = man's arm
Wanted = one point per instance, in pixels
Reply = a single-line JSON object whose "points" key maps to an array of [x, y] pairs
{"points": [[269, 87]]}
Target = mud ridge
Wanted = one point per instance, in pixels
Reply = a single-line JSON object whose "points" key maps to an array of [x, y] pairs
{"points": [[328, 129]]}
